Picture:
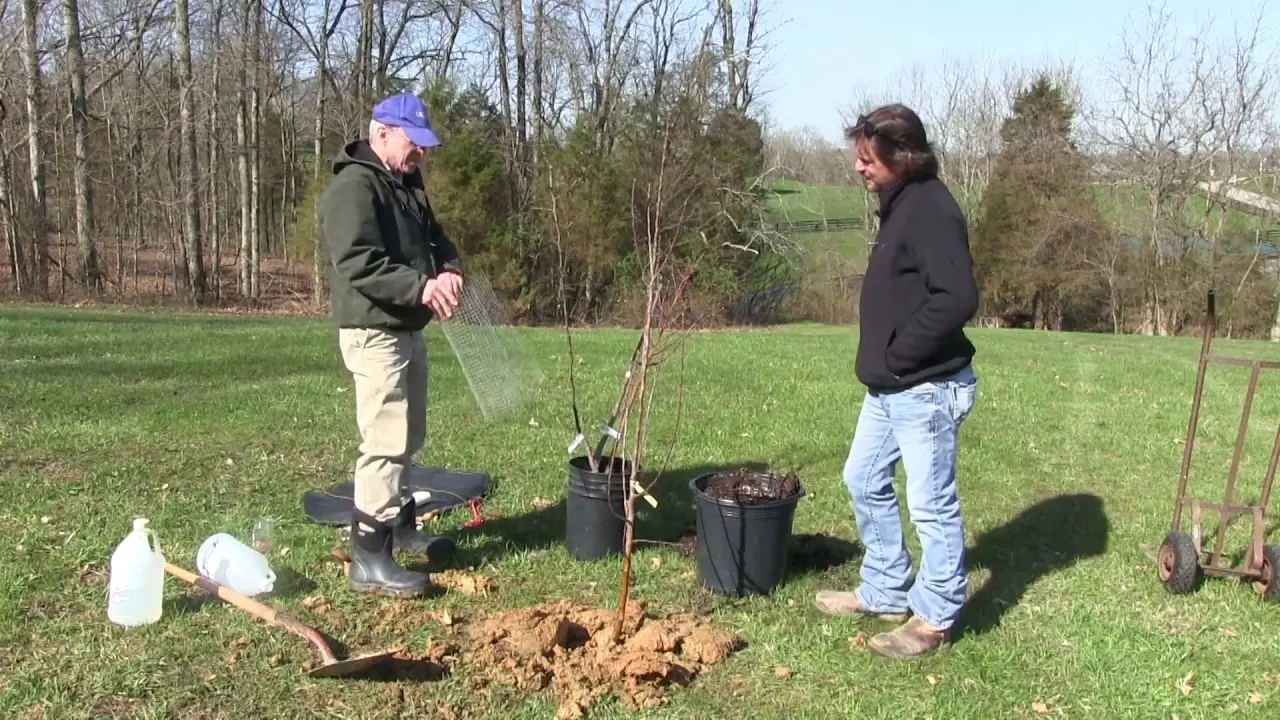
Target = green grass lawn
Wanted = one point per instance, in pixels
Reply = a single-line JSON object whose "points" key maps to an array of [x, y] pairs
{"points": [[796, 201], [835, 253], [202, 423]]}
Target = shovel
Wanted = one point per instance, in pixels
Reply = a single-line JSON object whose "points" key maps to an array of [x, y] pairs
{"points": [[329, 667]]}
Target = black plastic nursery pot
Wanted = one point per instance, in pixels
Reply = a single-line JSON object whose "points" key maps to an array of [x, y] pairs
{"points": [[594, 508], [743, 547]]}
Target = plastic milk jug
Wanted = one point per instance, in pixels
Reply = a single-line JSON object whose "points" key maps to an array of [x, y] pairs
{"points": [[135, 589], [230, 563]]}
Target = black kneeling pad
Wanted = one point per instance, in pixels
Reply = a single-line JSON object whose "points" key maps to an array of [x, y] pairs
{"points": [[447, 489]]}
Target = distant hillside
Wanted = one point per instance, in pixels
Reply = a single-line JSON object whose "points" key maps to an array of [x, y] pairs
{"points": [[835, 253]]}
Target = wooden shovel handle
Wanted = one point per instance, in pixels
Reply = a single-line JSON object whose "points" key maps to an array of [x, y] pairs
{"points": [[253, 607], [264, 613]]}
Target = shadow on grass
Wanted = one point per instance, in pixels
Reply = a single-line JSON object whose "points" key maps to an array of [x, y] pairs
{"points": [[1047, 537], [808, 553], [509, 534], [190, 601], [399, 667], [672, 524], [290, 583], [818, 553], [544, 528]]}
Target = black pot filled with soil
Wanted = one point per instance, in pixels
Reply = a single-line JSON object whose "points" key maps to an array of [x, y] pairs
{"points": [[595, 515], [744, 521]]}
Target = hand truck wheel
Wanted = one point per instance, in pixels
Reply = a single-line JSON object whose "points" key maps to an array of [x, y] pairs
{"points": [[1268, 586], [1178, 563]]}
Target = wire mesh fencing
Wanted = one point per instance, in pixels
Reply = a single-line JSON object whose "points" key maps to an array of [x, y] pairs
{"points": [[501, 372]]}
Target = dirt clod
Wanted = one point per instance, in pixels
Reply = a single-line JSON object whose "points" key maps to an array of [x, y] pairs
{"points": [[749, 487], [688, 544], [570, 649], [92, 575], [113, 707], [463, 582]]}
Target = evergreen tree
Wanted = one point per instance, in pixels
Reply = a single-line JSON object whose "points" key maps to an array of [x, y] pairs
{"points": [[1038, 224]]}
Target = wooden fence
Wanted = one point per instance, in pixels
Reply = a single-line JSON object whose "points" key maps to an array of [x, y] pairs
{"points": [[819, 225]]}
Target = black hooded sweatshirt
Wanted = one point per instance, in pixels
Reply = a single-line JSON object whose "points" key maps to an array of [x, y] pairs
{"points": [[918, 291]]}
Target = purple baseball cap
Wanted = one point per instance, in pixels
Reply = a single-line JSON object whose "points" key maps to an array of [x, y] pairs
{"points": [[407, 112]]}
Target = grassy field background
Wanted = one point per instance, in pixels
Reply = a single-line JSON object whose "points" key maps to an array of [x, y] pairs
{"points": [[202, 423], [830, 252]]}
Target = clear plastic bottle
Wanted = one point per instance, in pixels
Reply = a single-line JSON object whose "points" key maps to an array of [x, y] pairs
{"points": [[135, 590], [230, 563]]}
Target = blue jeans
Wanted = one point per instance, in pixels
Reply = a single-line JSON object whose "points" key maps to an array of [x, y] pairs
{"points": [[917, 426]]}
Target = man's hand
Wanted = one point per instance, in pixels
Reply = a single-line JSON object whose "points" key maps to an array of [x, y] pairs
{"points": [[451, 282], [441, 293]]}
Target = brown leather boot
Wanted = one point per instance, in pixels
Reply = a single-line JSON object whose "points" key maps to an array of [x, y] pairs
{"points": [[911, 640], [847, 604]]}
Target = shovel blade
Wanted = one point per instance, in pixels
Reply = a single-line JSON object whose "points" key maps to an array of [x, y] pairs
{"points": [[352, 666]]}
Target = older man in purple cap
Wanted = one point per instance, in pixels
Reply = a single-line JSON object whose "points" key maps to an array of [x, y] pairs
{"points": [[391, 268]]}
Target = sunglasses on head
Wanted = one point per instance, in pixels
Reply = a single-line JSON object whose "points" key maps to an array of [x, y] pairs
{"points": [[865, 127]]}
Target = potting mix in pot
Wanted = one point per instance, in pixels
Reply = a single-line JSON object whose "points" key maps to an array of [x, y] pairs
{"points": [[752, 488], [743, 523]]}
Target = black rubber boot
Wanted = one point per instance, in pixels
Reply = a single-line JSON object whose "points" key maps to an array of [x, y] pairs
{"points": [[373, 569], [408, 539]]}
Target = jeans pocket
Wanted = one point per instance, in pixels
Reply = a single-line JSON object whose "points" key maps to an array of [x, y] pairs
{"points": [[962, 397]]}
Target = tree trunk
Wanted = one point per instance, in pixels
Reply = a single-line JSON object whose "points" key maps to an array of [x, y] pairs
{"points": [[187, 157], [522, 83], [137, 236], [538, 50], [35, 150], [455, 25], [322, 65], [287, 189], [8, 217], [215, 223], [727, 40], [364, 52], [255, 157], [242, 158], [90, 274]]}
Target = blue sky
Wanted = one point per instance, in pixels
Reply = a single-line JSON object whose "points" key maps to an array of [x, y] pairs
{"points": [[823, 51]]}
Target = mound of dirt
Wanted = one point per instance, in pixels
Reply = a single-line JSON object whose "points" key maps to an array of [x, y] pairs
{"points": [[752, 488], [570, 648]]}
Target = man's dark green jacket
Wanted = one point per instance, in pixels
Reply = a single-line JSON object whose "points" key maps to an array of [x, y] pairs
{"points": [[382, 243]]}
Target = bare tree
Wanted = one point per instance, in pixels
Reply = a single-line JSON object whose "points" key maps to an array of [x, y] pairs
{"points": [[215, 158], [1239, 96], [8, 212], [35, 145], [318, 46], [191, 229], [8, 203], [89, 274], [1160, 134]]}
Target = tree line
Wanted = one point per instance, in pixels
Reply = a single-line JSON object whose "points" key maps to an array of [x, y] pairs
{"points": [[153, 151], [162, 151], [1113, 209]]}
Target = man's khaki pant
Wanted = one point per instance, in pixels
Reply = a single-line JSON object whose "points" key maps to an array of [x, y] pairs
{"points": [[390, 373]]}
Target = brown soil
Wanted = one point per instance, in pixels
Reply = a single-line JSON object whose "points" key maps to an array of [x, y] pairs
{"points": [[688, 544], [463, 582], [570, 648], [115, 707], [752, 488]]}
